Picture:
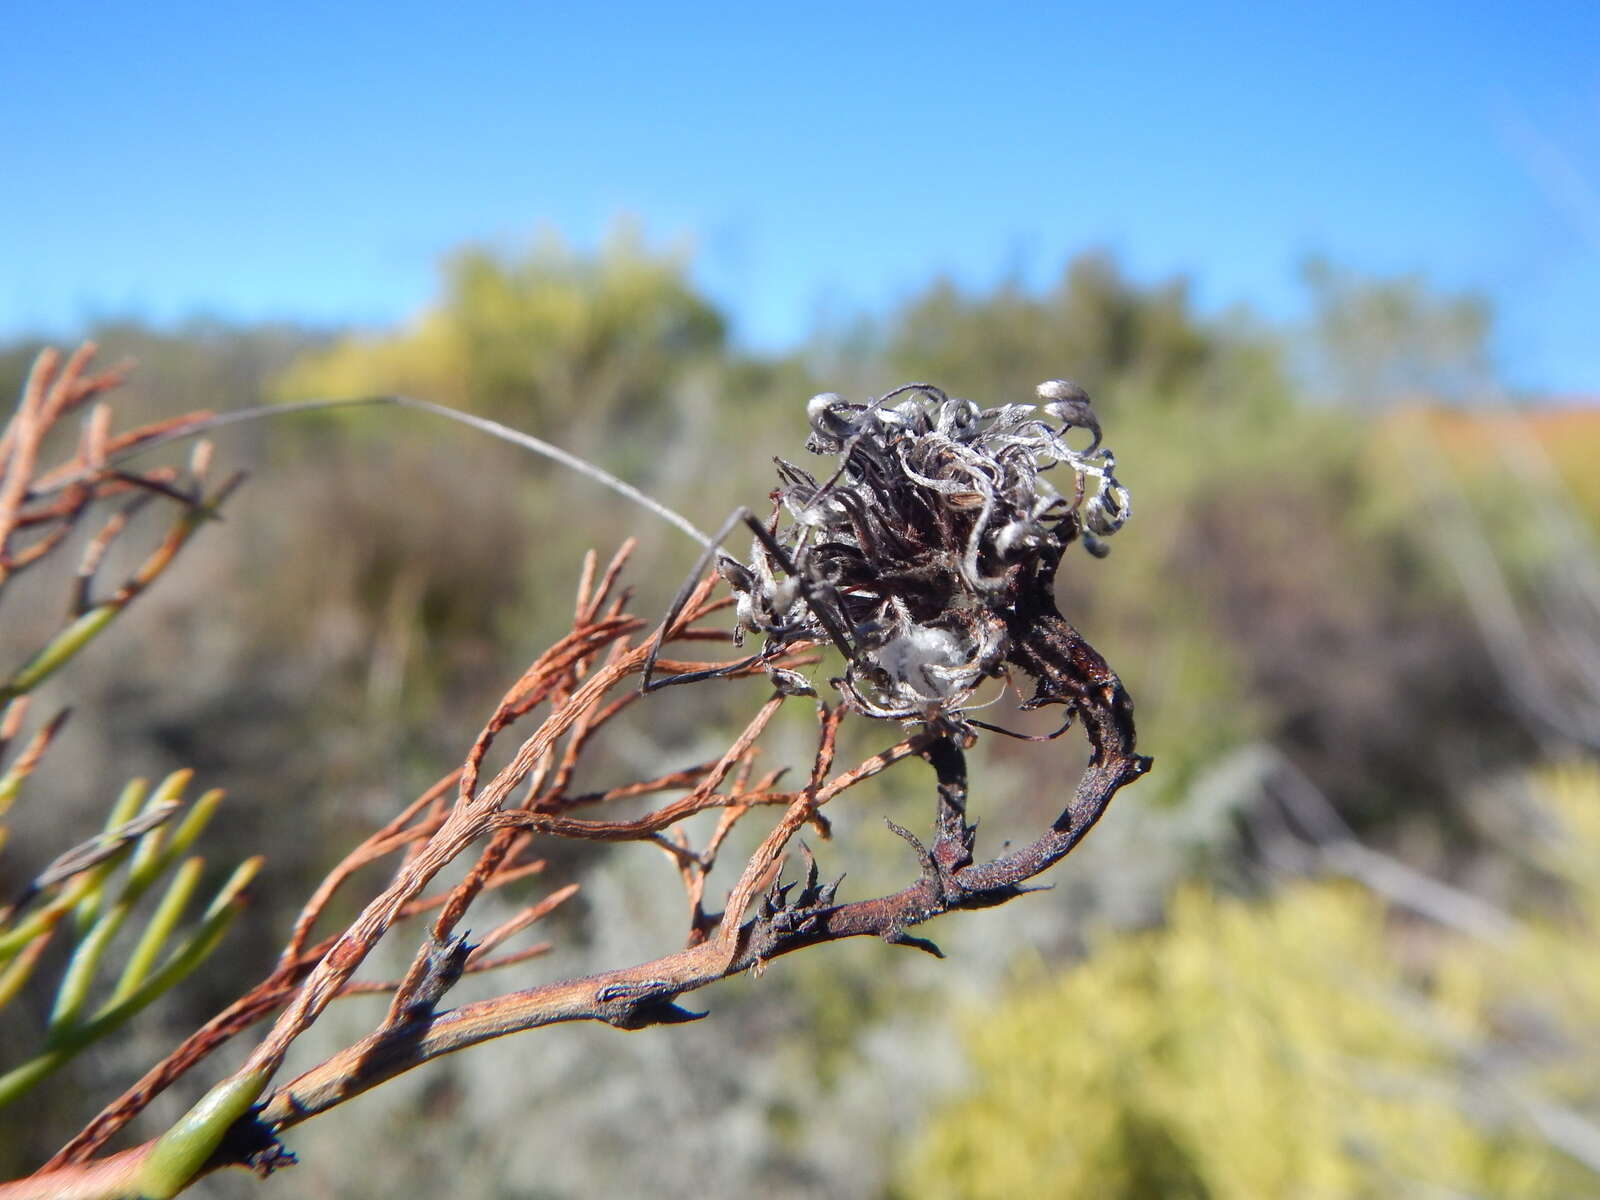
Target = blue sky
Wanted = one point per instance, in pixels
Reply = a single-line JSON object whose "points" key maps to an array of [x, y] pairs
{"points": [[313, 161]]}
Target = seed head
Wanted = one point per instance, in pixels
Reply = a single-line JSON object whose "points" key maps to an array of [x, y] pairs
{"points": [[936, 518]]}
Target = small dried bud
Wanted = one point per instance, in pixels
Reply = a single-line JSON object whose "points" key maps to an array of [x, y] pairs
{"points": [[1068, 403]]}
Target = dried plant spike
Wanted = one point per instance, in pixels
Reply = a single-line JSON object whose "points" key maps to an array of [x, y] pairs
{"points": [[926, 556], [938, 529]]}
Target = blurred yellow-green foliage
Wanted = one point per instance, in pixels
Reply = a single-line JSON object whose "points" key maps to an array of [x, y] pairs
{"points": [[1306, 1045], [550, 337]]}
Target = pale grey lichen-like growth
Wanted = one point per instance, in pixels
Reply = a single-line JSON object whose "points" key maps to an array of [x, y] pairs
{"points": [[933, 535]]}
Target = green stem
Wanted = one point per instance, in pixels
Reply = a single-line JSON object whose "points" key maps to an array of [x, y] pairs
{"points": [[165, 919], [59, 651], [180, 1152], [179, 964], [128, 803], [147, 864]]}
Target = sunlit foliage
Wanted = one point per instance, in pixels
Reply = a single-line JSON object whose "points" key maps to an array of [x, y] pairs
{"points": [[1239, 1052], [1313, 1045], [540, 336]]}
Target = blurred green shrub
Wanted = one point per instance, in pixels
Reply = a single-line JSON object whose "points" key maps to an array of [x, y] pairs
{"points": [[542, 339], [1375, 341], [1134, 346], [1306, 1046]]}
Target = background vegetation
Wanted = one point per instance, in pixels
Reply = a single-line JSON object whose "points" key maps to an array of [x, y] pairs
{"points": [[1358, 607]]}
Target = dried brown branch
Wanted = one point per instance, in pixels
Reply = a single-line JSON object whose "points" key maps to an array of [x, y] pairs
{"points": [[646, 994], [949, 880], [40, 507], [935, 572]]}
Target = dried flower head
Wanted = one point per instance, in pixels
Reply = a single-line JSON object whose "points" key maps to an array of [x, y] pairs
{"points": [[940, 527]]}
